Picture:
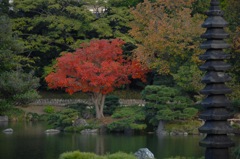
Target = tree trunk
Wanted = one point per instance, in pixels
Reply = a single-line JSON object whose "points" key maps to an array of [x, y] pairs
{"points": [[98, 100], [160, 128]]}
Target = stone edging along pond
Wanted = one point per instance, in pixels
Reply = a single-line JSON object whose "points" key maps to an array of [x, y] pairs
{"points": [[63, 102]]}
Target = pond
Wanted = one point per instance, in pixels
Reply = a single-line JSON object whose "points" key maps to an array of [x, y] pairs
{"points": [[28, 141]]}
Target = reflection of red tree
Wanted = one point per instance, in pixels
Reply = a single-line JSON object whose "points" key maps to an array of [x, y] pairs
{"points": [[97, 68], [100, 145]]}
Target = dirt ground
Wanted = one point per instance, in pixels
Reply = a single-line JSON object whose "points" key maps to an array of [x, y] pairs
{"points": [[39, 109]]}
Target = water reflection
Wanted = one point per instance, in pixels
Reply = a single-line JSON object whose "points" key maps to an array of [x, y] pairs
{"points": [[3, 124], [30, 142]]}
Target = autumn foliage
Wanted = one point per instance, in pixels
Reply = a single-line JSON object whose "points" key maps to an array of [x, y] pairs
{"points": [[166, 33], [98, 67]]}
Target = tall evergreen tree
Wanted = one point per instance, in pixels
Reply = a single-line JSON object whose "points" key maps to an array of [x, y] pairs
{"points": [[16, 85]]}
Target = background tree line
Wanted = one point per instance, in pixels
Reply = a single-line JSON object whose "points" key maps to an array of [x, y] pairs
{"points": [[164, 36]]}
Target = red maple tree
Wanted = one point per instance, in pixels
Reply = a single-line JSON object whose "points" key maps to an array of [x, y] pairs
{"points": [[98, 68]]}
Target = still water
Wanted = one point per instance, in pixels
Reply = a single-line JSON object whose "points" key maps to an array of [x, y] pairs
{"points": [[28, 141]]}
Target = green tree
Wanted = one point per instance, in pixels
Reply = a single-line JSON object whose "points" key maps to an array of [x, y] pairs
{"points": [[48, 27], [9, 46], [16, 86], [167, 104]]}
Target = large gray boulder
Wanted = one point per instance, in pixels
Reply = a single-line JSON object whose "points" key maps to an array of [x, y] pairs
{"points": [[144, 153]]}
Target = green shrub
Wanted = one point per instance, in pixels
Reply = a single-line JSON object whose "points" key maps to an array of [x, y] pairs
{"points": [[86, 111], [63, 118], [4, 106], [49, 109], [131, 117], [167, 104], [121, 155], [189, 126], [87, 155], [18, 87], [79, 155], [32, 117], [111, 103], [78, 129], [15, 114]]}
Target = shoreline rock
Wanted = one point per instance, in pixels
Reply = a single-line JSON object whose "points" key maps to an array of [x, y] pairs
{"points": [[8, 131], [89, 131], [52, 131]]}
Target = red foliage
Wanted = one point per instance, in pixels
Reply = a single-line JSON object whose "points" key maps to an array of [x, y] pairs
{"points": [[97, 67]]}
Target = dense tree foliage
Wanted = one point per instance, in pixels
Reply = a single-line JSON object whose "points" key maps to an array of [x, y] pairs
{"points": [[188, 77], [98, 68], [17, 86], [49, 27], [166, 33], [9, 46]]}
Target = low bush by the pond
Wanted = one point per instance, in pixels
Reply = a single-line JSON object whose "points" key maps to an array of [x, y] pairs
{"points": [[15, 114], [33, 117], [190, 126], [117, 155], [86, 111], [128, 118], [87, 155], [92, 124], [48, 109], [63, 119], [5, 106]]}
